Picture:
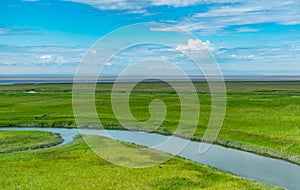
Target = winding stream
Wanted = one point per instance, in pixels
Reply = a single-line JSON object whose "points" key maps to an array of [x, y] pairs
{"points": [[249, 165]]}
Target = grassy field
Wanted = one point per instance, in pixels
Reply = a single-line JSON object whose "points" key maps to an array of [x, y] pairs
{"points": [[13, 141], [76, 166], [261, 117]]}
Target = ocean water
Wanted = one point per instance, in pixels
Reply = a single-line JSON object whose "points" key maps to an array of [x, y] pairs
{"points": [[44, 79]]}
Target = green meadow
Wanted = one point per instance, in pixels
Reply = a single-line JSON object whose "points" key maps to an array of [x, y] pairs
{"points": [[76, 166], [261, 117], [15, 141]]}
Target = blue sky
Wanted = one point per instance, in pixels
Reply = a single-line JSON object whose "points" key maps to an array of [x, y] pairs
{"points": [[246, 37]]}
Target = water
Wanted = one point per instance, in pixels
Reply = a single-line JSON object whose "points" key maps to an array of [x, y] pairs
{"points": [[12, 80], [269, 170]]}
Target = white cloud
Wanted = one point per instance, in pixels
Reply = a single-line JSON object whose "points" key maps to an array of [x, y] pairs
{"points": [[175, 3], [140, 11], [138, 5], [164, 29], [245, 12], [18, 31], [217, 17], [183, 27], [41, 55], [247, 29], [259, 60], [93, 52], [61, 60], [194, 44], [112, 4], [45, 56]]}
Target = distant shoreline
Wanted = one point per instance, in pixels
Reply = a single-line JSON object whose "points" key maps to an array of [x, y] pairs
{"points": [[59, 79]]}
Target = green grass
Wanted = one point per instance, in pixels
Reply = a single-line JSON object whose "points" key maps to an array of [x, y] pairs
{"points": [[76, 166], [13, 141], [261, 117]]}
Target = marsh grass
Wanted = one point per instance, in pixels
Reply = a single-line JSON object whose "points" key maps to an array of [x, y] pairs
{"points": [[76, 166], [261, 117], [14, 141]]}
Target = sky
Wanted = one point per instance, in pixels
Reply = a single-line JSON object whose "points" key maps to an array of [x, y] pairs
{"points": [[246, 37]]}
